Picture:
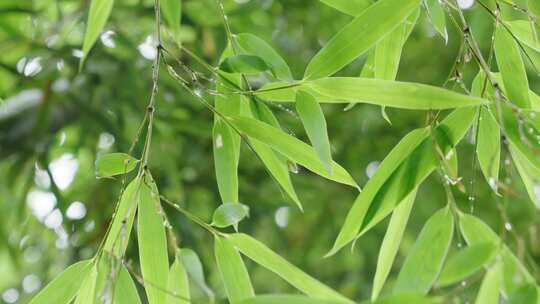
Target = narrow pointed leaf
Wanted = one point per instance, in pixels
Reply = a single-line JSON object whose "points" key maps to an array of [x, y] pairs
{"points": [[511, 67], [312, 117], [285, 298], [466, 262], [178, 284], [254, 45], [292, 148], [437, 17], [350, 7], [225, 161], [488, 147], [65, 286], [125, 291], [111, 164], [244, 64], [270, 260], [99, 12], [172, 13], [530, 175], [233, 271], [489, 290], [359, 36], [152, 242], [523, 31], [229, 214], [391, 242], [194, 269], [426, 258]]}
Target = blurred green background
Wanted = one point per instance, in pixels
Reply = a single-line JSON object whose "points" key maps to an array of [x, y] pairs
{"points": [[55, 120]]}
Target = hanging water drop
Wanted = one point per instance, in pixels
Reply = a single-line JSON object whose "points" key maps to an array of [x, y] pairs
{"points": [[507, 226], [219, 141]]}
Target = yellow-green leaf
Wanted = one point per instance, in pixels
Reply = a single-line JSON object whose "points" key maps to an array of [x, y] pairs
{"points": [[229, 214], [350, 7], [489, 290], [466, 262], [178, 284], [233, 271], [111, 164], [100, 11], [125, 291]]}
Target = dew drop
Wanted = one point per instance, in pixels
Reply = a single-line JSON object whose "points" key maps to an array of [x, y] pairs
{"points": [[107, 39], [371, 168], [148, 48], [471, 198], [492, 181], [507, 226], [293, 167], [219, 141], [463, 283]]}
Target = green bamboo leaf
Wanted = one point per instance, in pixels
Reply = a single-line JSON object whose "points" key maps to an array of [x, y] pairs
{"points": [[489, 290], [390, 244], [229, 214], [525, 142], [125, 291], [467, 262], [270, 260], [312, 117], [64, 287], [511, 67], [100, 10], [111, 164], [225, 160], [178, 284], [437, 17], [522, 30], [476, 231], [285, 298], [426, 258], [534, 7], [526, 294], [152, 242], [405, 298], [172, 13], [194, 269], [357, 37], [530, 175], [350, 7], [244, 64], [233, 271], [488, 148], [87, 292], [292, 148], [254, 45], [118, 236]]}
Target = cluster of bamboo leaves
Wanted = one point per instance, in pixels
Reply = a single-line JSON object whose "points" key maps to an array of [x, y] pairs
{"points": [[500, 104]]}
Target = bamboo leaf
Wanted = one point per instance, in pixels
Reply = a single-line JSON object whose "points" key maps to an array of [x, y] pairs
{"points": [[254, 45], [178, 284], [285, 298], [350, 7], [489, 290], [87, 292], [244, 64], [511, 67], [312, 117], [226, 161], [426, 258], [488, 147], [152, 242], [405, 298], [359, 36], [292, 148], [270, 260], [100, 10], [125, 291], [391, 242], [229, 214], [194, 269], [523, 31], [466, 262], [530, 175], [172, 13], [437, 17], [526, 294], [233, 271], [65, 286], [111, 164]]}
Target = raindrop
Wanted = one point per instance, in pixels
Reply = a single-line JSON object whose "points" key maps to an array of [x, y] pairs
{"points": [[459, 245], [219, 141], [60, 64], [293, 167], [76, 211], [507, 226], [148, 48], [107, 39], [31, 283], [536, 190], [492, 181], [29, 67], [371, 168], [90, 226], [11, 295], [471, 198], [77, 53], [465, 4], [463, 283], [282, 217], [51, 40]]}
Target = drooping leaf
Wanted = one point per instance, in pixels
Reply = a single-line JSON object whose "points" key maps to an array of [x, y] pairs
{"points": [[178, 284], [87, 292], [125, 291], [426, 258], [312, 117], [233, 271], [350, 7], [511, 67], [292, 148], [194, 269], [489, 290], [172, 13], [405, 167], [229, 214], [152, 242], [466, 262], [244, 64], [98, 15], [111, 164], [488, 147], [476, 231], [120, 230], [65, 286], [437, 17], [225, 161], [530, 175], [391, 242], [522, 30], [526, 294], [270, 260], [357, 37], [254, 45]]}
